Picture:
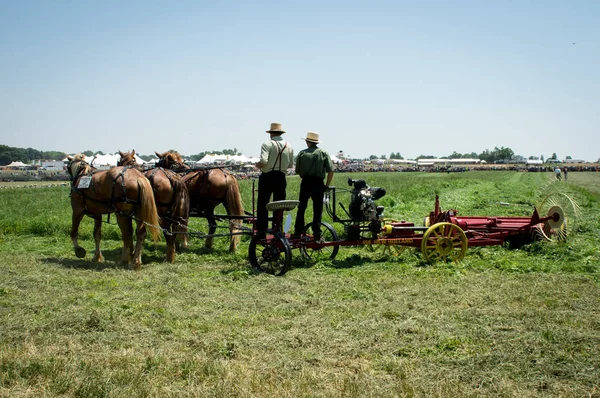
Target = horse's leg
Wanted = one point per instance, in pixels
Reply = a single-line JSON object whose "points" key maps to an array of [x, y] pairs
{"points": [[212, 227], [75, 221], [170, 238], [98, 258], [140, 235], [127, 237], [233, 205], [233, 239], [182, 240]]}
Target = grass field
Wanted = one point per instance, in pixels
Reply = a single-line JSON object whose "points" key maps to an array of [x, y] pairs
{"points": [[503, 322]]}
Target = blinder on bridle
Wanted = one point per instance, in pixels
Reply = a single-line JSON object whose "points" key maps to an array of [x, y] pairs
{"points": [[82, 164], [168, 163]]}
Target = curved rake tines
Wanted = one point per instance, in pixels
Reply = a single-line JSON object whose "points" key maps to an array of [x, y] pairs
{"points": [[566, 211]]}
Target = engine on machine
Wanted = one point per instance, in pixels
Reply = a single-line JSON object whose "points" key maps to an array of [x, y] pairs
{"points": [[362, 201]]}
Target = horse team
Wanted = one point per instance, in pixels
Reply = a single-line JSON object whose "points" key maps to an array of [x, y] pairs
{"points": [[159, 199]]}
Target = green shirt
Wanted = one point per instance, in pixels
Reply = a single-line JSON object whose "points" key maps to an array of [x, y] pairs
{"points": [[313, 161]]}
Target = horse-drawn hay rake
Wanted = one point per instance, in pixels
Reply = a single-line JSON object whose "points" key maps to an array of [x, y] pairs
{"points": [[445, 235]]}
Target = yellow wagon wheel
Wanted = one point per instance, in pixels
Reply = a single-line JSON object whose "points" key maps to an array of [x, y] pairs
{"points": [[445, 242]]}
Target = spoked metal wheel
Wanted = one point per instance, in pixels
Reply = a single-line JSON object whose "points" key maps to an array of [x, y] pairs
{"points": [[328, 234], [273, 255], [386, 250], [445, 242], [564, 212]]}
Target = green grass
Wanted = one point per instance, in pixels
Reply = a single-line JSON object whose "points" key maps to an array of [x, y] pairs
{"points": [[499, 323]]}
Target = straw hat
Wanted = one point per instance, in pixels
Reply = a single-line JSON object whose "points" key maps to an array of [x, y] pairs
{"points": [[312, 137], [275, 128]]}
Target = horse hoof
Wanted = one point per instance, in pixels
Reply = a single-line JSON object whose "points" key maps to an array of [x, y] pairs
{"points": [[80, 252]]}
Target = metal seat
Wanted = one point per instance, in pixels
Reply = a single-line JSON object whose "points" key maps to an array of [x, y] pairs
{"points": [[285, 205]]}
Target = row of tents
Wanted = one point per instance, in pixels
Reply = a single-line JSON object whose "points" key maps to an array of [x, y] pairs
{"points": [[109, 160]]}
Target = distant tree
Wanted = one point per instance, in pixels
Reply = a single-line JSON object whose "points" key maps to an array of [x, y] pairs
{"points": [[382, 157], [371, 157], [568, 157], [197, 156], [554, 156], [533, 158], [88, 153], [53, 155], [396, 155], [425, 157], [542, 158], [497, 155], [26, 155], [457, 155]]}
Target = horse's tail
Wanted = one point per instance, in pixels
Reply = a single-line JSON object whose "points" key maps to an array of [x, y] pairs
{"points": [[148, 211], [180, 207], [234, 206]]}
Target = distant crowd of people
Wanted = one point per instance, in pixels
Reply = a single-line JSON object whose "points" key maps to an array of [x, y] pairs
{"points": [[347, 167]]}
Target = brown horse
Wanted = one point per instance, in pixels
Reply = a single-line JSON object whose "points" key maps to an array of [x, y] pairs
{"points": [[172, 200], [121, 190], [208, 188]]}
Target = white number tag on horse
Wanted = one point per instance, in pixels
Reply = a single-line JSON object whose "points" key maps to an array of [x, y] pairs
{"points": [[84, 182]]}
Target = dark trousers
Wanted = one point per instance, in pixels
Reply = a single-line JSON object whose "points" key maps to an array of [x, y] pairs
{"points": [[313, 188], [271, 183]]}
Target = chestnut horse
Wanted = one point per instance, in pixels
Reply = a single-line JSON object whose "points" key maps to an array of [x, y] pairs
{"points": [[121, 190], [208, 188], [172, 200]]}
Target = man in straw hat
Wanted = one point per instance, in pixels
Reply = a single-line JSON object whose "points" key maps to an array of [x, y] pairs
{"points": [[312, 165], [276, 156]]}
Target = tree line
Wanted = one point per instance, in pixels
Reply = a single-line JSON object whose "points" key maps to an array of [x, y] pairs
{"points": [[10, 154], [497, 155], [26, 155]]}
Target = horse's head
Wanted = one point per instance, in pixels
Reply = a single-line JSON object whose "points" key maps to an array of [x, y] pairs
{"points": [[77, 165], [127, 159], [170, 160]]}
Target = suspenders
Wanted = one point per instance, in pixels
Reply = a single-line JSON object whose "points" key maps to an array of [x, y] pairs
{"points": [[279, 157]]}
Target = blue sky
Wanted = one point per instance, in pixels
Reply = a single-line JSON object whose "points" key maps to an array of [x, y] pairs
{"points": [[419, 78]]}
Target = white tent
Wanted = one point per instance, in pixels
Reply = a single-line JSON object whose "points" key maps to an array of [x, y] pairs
{"points": [[403, 161], [335, 159], [212, 159], [535, 161], [17, 164], [107, 160]]}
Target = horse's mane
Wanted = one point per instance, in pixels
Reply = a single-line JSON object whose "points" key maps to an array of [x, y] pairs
{"points": [[127, 159], [176, 157], [80, 163]]}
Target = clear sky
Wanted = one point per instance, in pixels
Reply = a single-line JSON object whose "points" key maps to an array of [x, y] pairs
{"points": [[372, 77]]}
